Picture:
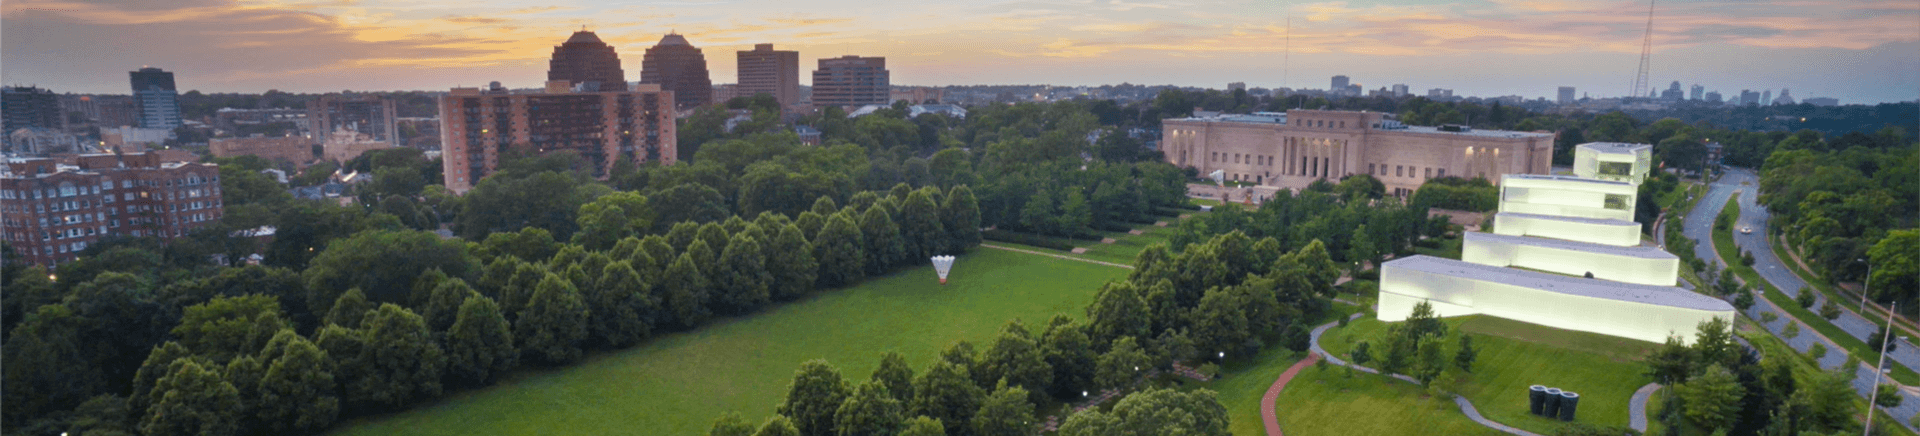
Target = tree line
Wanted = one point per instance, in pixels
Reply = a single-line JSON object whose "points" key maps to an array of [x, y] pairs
{"points": [[1849, 204], [1720, 386]]}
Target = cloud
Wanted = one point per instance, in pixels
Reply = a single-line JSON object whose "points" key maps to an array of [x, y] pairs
{"points": [[474, 20]]}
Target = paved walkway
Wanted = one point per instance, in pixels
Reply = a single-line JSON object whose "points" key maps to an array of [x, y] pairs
{"points": [[1637, 407], [1062, 256], [1466, 406], [1267, 403]]}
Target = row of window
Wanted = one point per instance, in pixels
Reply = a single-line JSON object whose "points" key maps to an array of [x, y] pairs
{"points": [[1318, 123], [68, 189], [1406, 171]]}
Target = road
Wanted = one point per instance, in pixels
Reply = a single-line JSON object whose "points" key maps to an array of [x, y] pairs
{"points": [[1699, 227]]}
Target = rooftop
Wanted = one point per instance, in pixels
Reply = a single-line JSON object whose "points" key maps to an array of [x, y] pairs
{"points": [[584, 37], [1638, 251], [674, 39], [1614, 147], [1593, 288], [1281, 118], [1599, 221], [1504, 177]]}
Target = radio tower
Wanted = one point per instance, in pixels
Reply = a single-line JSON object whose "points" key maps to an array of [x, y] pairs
{"points": [[1640, 83]]}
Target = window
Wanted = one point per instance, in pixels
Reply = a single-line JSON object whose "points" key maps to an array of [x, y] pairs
{"points": [[66, 189], [1616, 168], [1619, 201], [1370, 169], [1427, 172], [1443, 172], [1397, 171]]}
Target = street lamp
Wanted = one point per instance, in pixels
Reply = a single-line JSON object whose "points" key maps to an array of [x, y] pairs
{"points": [[1879, 372], [1866, 284]]}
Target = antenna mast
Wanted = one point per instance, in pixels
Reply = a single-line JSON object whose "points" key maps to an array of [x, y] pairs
{"points": [[1286, 60], [1640, 82]]}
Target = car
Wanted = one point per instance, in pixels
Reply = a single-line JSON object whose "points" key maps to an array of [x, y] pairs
{"points": [[1746, 230]]}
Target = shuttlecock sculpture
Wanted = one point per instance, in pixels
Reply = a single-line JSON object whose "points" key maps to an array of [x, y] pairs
{"points": [[942, 265]]}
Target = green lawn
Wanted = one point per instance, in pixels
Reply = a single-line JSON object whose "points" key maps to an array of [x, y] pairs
{"points": [[1244, 382], [678, 384], [1126, 246], [1338, 402], [1449, 248], [1605, 370]]}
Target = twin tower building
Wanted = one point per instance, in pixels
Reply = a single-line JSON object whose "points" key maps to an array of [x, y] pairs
{"points": [[1564, 252]]}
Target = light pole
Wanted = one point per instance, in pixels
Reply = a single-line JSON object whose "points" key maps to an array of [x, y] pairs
{"points": [[1885, 339], [1866, 284]]}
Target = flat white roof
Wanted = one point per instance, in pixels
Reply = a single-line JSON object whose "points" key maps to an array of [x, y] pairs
{"points": [[1582, 220], [1561, 178], [1614, 147], [1637, 251], [1595, 288]]}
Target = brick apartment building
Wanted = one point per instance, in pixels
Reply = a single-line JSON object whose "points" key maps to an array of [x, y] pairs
{"points": [[52, 211], [478, 126]]}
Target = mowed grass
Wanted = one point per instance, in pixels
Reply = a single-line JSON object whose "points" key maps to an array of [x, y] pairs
{"points": [[1245, 381], [1126, 246], [1604, 370], [679, 384], [1337, 402]]}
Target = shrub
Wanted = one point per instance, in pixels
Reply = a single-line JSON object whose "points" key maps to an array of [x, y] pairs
{"points": [[1805, 299], [1768, 317], [1818, 351], [1745, 300], [1829, 311], [1792, 330]]}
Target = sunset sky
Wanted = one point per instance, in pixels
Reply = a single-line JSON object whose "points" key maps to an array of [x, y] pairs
{"points": [[1860, 51]]}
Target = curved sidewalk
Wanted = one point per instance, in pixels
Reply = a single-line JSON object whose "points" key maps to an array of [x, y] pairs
{"points": [[1466, 407], [1637, 407], [1269, 402]]}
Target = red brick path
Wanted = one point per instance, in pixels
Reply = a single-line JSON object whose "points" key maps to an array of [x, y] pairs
{"points": [[1267, 406]]}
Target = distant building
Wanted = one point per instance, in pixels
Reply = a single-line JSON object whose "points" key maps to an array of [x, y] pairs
{"points": [[1673, 92], [478, 126], [808, 134], [235, 120], [1783, 98], [1440, 94], [297, 150], [129, 135], [366, 114], [1714, 97], [41, 141], [769, 71], [1566, 95], [1696, 91], [1339, 84], [954, 111], [103, 110], [56, 210], [159, 101], [1400, 90], [723, 93], [849, 81], [1766, 98], [916, 94], [1232, 86], [344, 145], [1748, 97], [678, 67], [27, 106], [1823, 101], [586, 62], [1293, 149]]}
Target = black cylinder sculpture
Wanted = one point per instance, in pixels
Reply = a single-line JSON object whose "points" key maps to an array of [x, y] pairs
{"points": [[1551, 407], [1568, 403], [1536, 399]]}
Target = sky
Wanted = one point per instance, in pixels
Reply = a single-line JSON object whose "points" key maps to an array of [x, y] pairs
{"points": [[1859, 51]]}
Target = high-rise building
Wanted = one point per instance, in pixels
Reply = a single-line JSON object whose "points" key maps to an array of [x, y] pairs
{"points": [[851, 81], [680, 68], [1783, 98], [764, 70], [105, 111], [1696, 91], [588, 63], [55, 210], [1400, 90], [478, 126], [1236, 85], [1713, 97], [1673, 92], [1339, 84], [366, 114], [158, 99], [1766, 97], [1439, 94], [1748, 97], [1566, 95], [27, 106]]}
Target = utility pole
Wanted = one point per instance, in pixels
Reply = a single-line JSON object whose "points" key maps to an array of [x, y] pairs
{"points": [[1886, 338]]}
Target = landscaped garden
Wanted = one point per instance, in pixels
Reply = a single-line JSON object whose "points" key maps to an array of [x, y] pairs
{"points": [[680, 383]]}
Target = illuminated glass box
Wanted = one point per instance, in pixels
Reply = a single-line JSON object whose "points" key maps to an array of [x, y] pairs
{"points": [[1599, 231], [1635, 264], [1616, 161], [1567, 196], [1455, 288]]}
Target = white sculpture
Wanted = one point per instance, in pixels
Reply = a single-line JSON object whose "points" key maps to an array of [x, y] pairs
{"points": [[942, 265], [1219, 177]]}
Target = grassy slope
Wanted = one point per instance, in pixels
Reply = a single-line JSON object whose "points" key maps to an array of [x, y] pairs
{"points": [[1605, 370], [1245, 381], [679, 384], [1336, 402], [1723, 244]]}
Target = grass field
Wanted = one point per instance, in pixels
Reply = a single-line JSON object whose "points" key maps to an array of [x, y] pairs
{"points": [[1336, 402], [1605, 370], [1245, 381], [678, 384], [1127, 246]]}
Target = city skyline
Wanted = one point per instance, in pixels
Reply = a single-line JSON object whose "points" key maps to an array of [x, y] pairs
{"points": [[1537, 45]]}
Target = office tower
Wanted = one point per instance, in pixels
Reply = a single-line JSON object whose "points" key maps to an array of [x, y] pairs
{"points": [[1236, 85], [851, 81], [769, 71], [1713, 97], [478, 126], [159, 100], [586, 62], [1339, 84], [679, 68], [1400, 90], [1766, 98], [1566, 95], [367, 114], [1783, 98], [56, 210], [27, 106], [1673, 92], [1696, 91], [1749, 97]]}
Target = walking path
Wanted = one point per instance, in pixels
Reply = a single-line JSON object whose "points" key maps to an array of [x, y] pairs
{"points": [[1637, 407], [1466, 407], [1062, 256], [1267, 403]]}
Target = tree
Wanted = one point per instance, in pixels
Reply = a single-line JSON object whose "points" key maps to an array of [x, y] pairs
{"points": [[839, 249], [1005, 412], [224, 327], [688, 292], [480, 343], [43, 370], [1672, 363], [244, 373], [622, 305], [923, 426], [1888, 397], [1743, 300], [1360, 354], [791, 267], [1017, 360], [742, 278], [611, 217], [961, 218], [348, 310], [554, 323], [1828, 399], [193, 400], [1091, 423], [921, 230], [884, 248], [870, 411], [814, 398], [1117, 310], [896, 376], [731, 424], [443, 303], [402, 362], [946, 392], [383, 264], [1070, 353], [297, 393], [1895, 261], [1167, 411], [1121, 364], [1219, 323], [1712, 398], [777, 425], [1464, 358]]}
